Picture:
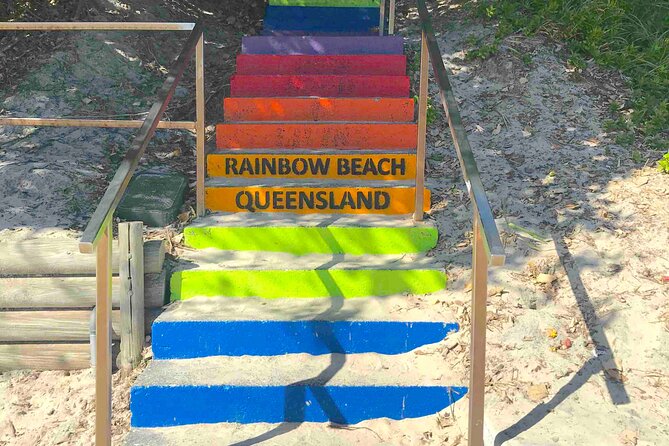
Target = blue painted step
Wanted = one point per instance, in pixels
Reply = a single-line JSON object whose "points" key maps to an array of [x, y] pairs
{"points": [[196, 339], [321, 19], [162, 406], [344, 389], [221, 326]]}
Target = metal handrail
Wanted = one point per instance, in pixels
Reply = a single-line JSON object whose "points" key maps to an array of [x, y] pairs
{"points": [[470, 171], [124, 173]]}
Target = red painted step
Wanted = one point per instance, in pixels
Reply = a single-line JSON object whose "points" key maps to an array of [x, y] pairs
{"points": [[319, 85], [265, 64], [316, 136], [319, 109]]}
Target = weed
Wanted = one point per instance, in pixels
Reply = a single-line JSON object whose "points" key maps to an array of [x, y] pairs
{"points": [[637, 158], [625, 139], [630, 35], [432, 110], [663, 164], [484, 51]]}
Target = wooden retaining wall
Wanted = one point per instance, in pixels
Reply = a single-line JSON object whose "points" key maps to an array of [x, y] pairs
{"points": [[47, 293]]}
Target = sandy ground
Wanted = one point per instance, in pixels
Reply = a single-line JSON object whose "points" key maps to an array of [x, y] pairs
{"points": [[578, 321]]}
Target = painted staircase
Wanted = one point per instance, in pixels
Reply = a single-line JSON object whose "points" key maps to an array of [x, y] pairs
{"points": [[286, 308]]}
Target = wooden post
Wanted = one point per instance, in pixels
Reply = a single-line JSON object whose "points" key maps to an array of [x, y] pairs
{"points": [[422, 129], [391, 18], [131, 272], [382, 16], [478, 335], [103, 366], [199, 124]]}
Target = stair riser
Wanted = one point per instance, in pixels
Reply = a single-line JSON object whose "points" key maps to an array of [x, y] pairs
{"points": [[319, 85], [319, 109], [316, 136], [198, 339], [314, 200], [314, 240], [174, 406], [388, 65], [320, 19], [272, 284], [322, 166], [322, 45]]}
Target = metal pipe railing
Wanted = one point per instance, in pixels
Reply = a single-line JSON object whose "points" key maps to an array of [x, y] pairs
{"points": [[487, 247], [97, 237]]}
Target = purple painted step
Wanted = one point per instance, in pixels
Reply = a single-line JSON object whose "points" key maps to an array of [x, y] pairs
{"points": [[326, 45]]}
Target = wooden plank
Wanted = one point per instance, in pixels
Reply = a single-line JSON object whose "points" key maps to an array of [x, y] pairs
{"points": [[131, 273], [71, 292], [99, 123], [44, 356], [200, 137], [57, 325], [61, 256]]}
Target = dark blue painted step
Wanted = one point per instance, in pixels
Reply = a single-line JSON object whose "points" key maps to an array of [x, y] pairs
{"points": [[196, 339], [159, 406], [321, 19]]}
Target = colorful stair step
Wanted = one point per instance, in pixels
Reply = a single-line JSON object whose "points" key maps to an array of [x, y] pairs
{"points": [[330, 164], [319, 109], [319, 85], [311, 234], [320, 19], [203, 327], [274, 284], [327, 45], [272, 275], [312, 197], [288, 388], [372, 64], [351, 136]]}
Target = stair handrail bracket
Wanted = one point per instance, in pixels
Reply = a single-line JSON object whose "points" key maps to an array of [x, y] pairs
{"points": [[488, 249], [97, 237]]}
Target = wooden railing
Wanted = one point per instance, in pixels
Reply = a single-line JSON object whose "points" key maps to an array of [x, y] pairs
{"points": [[488, 249], [97, 237]]}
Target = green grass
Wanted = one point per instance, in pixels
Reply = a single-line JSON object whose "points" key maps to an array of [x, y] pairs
{"points": [[629, 35]]}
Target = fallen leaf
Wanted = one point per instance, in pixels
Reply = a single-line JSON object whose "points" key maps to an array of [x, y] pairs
{"points": [[665, 279], [545, 278], [497, 130], [566, 343], [537, 392], [628, 438]]}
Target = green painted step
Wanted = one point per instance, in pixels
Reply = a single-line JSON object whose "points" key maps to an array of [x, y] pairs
{"points": [[327, 3], [211, 273], [306, 234]]}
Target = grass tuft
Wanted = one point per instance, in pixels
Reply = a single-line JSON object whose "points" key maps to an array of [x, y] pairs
{"points": [[629, 35]]}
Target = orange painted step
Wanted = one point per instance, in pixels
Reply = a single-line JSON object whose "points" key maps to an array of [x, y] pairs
{"points": [[319, 109], [314, 199], [316, 136], [333, 165], [325, 86]]}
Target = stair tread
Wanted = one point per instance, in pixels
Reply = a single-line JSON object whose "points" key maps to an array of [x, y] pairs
{"points": [[212, 259], [414, 368], [245, 219], [396, 308], [322, 45]]}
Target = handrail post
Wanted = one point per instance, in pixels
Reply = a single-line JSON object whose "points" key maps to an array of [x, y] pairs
{"points": [[103, 365], [391, 18], [478, 334], [200, 123], [422, 129], [382, 16]]}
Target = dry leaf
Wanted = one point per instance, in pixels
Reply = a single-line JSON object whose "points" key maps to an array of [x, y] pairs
{"points": [[537, 392], [497, 130]]}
